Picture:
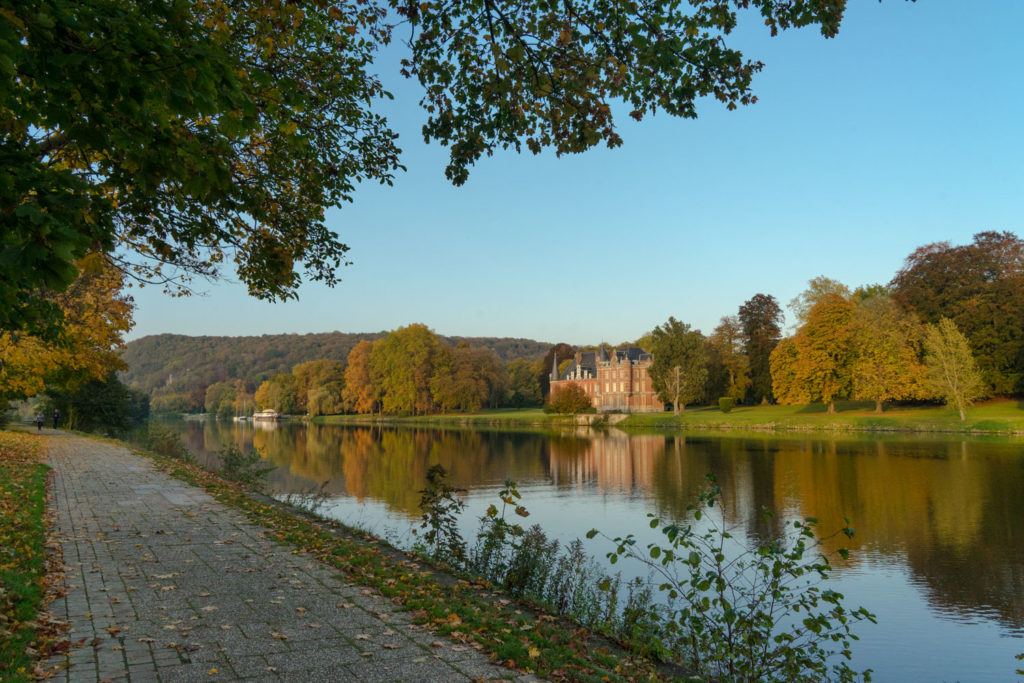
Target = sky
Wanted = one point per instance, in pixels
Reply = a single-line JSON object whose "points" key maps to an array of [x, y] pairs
{"points": [[906, 129]]}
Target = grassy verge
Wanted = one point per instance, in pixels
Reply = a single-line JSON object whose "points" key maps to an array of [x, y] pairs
{"points": [[468, 611], [509, 417], [22, 551], [991, 417], [1002, 416]]}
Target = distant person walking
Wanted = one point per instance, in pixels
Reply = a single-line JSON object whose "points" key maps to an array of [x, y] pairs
{"points": [[39, 422], [56, 418]]}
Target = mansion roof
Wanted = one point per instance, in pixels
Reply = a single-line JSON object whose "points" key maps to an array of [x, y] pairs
{"points": [[588, 361]]}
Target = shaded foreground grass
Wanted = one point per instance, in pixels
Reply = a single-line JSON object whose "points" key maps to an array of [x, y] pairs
{"points": [[1000, 416], [22, 552], [469, 611]]}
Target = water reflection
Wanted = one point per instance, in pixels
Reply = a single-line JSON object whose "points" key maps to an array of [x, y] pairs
{"points": [[944, 510]]}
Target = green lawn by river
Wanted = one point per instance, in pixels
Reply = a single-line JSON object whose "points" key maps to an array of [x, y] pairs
{"points": [[998, 416]]}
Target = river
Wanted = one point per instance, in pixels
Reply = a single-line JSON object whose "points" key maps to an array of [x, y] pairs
{"points": [[938, 553]]}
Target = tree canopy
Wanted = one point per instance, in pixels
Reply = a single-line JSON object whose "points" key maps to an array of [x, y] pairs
{"points": [[761, 319], [96, 316], [679, 368], [218, 132], [952, 370], [980, 287], [816, 363]]}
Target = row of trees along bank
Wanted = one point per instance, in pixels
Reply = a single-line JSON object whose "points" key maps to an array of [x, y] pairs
{"points": [[948, 326], [409, 371]]}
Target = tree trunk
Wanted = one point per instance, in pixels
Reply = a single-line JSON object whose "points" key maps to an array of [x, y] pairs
{"points": [[878, 406], [677, 387], [831, 407], [963, 414]]}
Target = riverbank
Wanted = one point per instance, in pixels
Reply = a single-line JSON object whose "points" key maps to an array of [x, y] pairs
{"points": [[456, 618], [991, 417], [1001, 416]]}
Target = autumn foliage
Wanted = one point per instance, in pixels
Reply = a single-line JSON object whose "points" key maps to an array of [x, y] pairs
{"points": [[96, 316], [570, 400]]}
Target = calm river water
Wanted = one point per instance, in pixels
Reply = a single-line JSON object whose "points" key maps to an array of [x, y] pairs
{"points": [[938, 555]]}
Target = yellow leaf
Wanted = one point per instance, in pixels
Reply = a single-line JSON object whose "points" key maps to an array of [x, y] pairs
{"points": [[534, 653]]}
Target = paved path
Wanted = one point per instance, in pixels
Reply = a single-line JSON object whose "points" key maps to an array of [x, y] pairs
{"points": [[167, 584]]}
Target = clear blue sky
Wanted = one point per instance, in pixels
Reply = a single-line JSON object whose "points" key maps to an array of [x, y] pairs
{"points": [[906, 129]]}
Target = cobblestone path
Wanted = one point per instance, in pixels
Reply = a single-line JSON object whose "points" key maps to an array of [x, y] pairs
{"points": [[167, 584]]}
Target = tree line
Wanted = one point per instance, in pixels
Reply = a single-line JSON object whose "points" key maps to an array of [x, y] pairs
{"points": [[176, 370], [949, 326], [408, 371]]}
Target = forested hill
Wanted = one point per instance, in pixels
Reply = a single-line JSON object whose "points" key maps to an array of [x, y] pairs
{"points": [[174, 363]]}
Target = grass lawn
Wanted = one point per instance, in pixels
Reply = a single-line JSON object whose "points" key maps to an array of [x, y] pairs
{"points": [[22, 551], [996, 416]]}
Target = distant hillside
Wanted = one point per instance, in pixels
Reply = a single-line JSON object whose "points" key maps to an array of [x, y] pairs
{"points": [[174, 363]]}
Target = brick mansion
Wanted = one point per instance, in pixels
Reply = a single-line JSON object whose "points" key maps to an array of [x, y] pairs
{"points": [[615, 382]]}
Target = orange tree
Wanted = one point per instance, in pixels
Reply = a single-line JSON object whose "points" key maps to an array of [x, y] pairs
{"points": [[570, 400], [816, 365], [96, 316]]}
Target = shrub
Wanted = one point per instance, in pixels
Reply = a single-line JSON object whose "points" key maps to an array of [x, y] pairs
{"points": [[748, 614], [441, 507], [244, 468], [570, 400], [726, 403], [162, 441]]}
